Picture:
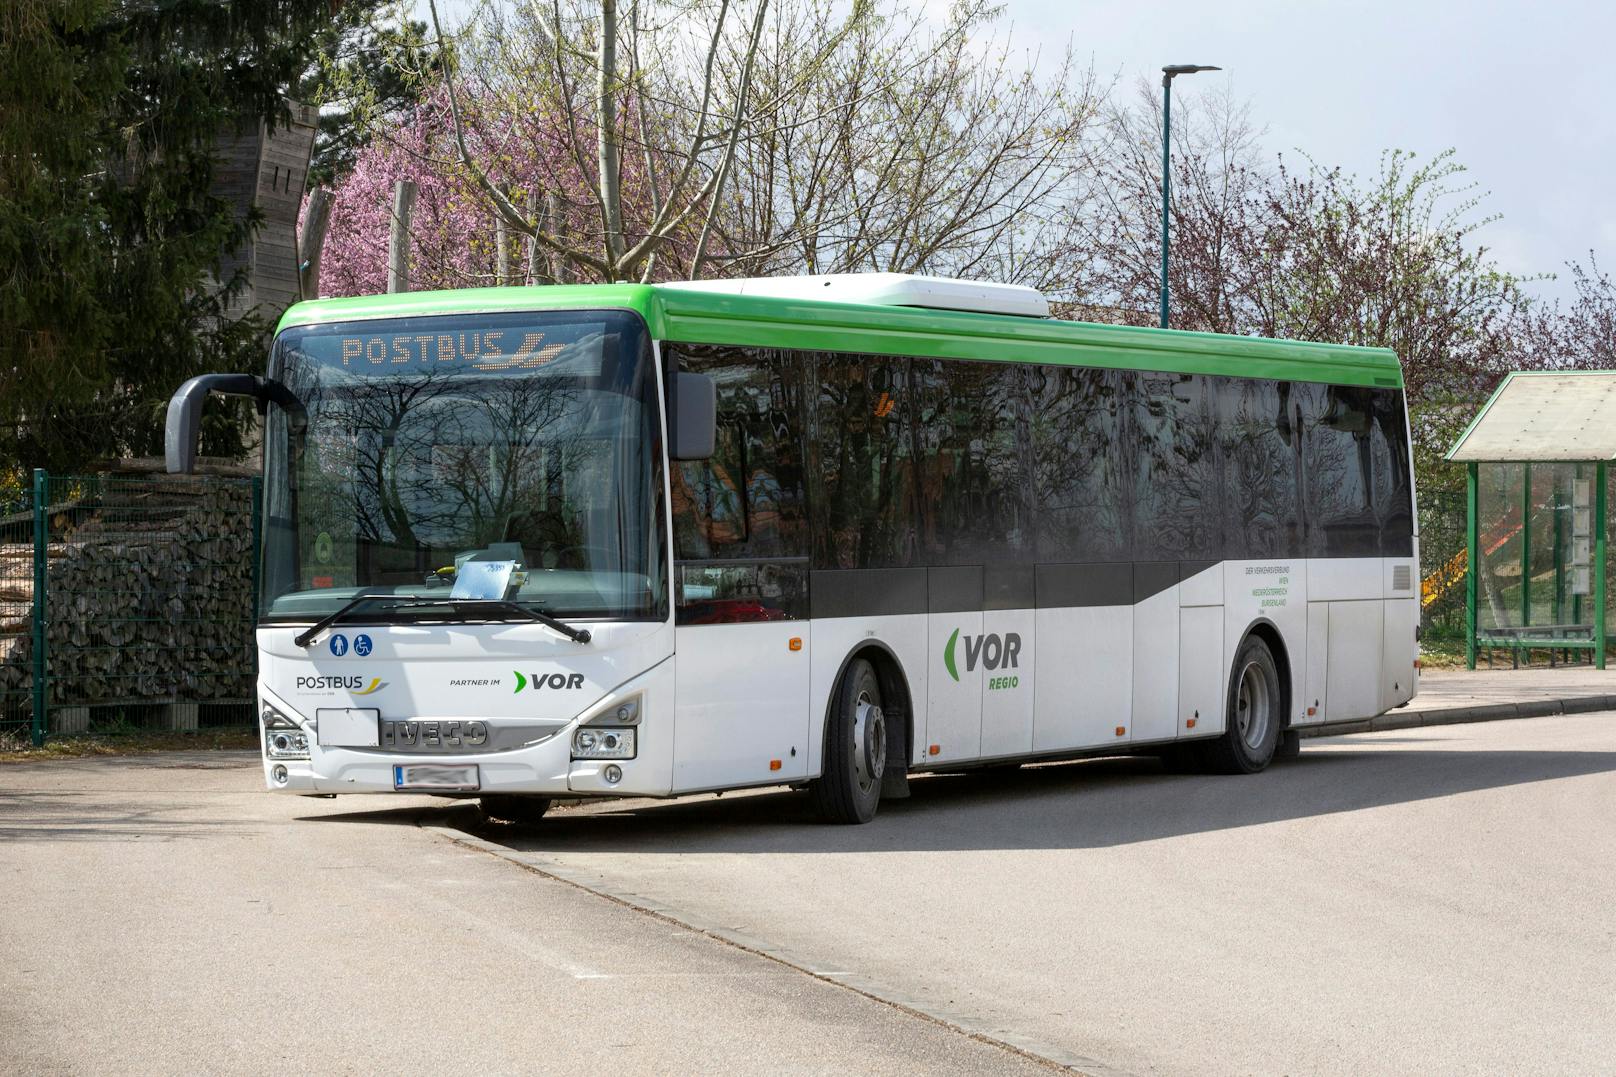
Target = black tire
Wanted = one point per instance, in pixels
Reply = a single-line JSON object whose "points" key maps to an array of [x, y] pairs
{"points": [[513, 808], [1255, 715], [855, 750]]}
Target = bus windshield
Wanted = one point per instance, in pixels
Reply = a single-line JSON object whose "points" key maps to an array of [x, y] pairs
{"points": [[526, 446]]}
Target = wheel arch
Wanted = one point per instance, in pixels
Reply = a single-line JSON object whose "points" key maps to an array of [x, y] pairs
{"points": [[1269, 633], [894, 691]]}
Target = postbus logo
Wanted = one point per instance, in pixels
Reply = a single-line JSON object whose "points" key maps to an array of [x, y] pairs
{"points": [[992, 650], [356, 685]]}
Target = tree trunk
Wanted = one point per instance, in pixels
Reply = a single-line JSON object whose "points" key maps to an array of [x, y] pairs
{"points": [[502, 252], [560, 268], [533, 273], [312, 242], [398, 237], [610, 158]]}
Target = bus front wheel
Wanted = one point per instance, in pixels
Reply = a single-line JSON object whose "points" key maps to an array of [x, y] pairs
{"points": [[1255, 715], [855, 749], [513, 808]]}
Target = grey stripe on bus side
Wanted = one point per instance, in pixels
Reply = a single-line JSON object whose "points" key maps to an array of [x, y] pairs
{"points": [[867, 592], [1009, 587], [885, 592], [1153, 577], [1097, 584], [1186, 569], [951, 590]]}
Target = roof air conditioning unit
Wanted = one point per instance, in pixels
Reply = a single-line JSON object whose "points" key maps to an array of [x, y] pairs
{"points": [[888, 290]]}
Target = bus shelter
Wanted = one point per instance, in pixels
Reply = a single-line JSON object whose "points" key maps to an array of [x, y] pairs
{"points": [[1537, 459]]}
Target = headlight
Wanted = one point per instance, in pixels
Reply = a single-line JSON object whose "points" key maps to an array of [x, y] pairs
{"points": [[588, 743], [283, 739]]}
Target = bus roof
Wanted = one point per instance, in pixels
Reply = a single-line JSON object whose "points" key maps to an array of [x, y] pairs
{"points": [[709, 317]]}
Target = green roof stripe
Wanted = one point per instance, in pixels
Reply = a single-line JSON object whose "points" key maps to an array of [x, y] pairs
{"points": [[695, 317]]}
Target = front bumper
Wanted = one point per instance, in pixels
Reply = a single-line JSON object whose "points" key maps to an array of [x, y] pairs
{"points": [[545, 768]]}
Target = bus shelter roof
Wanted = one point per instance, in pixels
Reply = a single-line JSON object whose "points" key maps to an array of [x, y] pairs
{"points": [[1567, 416]]}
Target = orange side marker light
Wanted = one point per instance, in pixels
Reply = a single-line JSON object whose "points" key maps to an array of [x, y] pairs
{"points": [[1122, 730], [1312, 711], [934, 749], [1189, 723], [774, 764], [796, 643]]}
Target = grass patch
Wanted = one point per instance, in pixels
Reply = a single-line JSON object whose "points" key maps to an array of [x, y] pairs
{"points": [[15, 747], [1442, 653]]}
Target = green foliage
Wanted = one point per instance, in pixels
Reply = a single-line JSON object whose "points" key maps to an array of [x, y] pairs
{"points": [[370, 67], [110, 235], [1394, 262]]}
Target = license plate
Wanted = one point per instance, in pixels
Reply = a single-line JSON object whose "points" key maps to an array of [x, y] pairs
{"points": [[433, 776]]}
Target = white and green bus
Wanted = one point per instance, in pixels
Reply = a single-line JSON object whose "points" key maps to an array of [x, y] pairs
{"points": [[534, 543]]}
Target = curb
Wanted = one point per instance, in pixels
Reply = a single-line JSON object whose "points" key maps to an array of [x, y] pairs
{"points": [[1491, 712], [962, 1022]]}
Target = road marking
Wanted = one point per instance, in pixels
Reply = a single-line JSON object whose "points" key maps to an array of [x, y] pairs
{"points": [[963, 1023]]}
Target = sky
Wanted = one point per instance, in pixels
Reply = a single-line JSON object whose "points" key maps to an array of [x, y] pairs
{"points": [[1516, 89]]}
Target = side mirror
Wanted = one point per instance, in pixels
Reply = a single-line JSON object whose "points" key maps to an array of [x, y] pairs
{"points": [[182, 431], [692, 417]]}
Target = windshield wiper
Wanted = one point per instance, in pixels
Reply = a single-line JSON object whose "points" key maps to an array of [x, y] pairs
{"points": [[578, 635], [303, 639]]}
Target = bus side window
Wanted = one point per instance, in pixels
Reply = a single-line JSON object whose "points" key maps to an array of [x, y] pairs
{"points": [[1337, 462], [1394, 501], [1081, 482], [747, 499], [974, 498], [1176, 472], [1262, 507], [863, 435]]}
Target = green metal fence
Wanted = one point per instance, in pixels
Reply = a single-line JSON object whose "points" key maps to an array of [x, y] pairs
{"points": [[1442, 538], [126, 603]]}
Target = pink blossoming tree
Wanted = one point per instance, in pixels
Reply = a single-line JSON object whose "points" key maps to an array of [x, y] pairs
{"points": [[455, 233]]}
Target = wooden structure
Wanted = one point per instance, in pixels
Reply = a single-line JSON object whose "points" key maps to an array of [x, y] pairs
{"points": [[269, 170]]}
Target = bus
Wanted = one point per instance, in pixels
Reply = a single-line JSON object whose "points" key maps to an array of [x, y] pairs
{"points": [[528, 544]]}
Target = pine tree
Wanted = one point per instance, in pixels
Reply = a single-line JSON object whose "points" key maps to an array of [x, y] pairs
{"points": [[109, 231]]}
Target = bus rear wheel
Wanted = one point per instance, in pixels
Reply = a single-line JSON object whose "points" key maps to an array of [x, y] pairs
{"points": [[1255, 714], [513, 808], [855, 750]]}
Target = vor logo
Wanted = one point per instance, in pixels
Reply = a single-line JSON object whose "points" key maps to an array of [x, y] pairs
{"points": [[548, 680], [992, 650]]}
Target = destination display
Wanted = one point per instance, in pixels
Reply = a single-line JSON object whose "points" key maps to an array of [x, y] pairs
{"points": [[495, 349]]}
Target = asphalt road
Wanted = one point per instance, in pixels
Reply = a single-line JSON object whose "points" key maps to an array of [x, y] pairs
{"points": [[163, 915], [1432, 901], [1424, 901]]}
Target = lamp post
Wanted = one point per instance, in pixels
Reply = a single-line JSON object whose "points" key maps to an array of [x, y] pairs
{"points": [[1168, 73]]}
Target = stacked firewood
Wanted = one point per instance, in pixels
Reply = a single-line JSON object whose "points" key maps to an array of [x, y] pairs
{"points": [[148, 596]]}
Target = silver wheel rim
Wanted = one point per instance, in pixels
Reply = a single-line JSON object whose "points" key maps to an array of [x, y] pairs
{"points": [[1252, 706], [869, 742]]}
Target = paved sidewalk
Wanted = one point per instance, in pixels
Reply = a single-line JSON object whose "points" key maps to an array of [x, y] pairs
{"points": [[1450, 696]]}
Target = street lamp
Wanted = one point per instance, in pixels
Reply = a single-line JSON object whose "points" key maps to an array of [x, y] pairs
{"points": [[1167, 135]]}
